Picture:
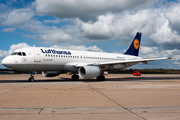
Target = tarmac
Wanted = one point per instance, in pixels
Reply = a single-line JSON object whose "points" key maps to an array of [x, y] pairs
{"points": [[119, 97]]}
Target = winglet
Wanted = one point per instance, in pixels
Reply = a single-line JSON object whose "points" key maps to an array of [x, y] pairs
{"points": [[134, 47]]}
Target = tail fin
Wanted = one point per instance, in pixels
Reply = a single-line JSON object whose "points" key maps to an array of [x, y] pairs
{"points": [[134, 47]]}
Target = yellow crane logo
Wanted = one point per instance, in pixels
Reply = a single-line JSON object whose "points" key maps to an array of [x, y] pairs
{"points": [[136, 44]]}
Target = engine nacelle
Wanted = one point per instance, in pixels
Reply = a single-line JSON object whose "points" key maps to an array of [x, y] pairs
{"points": [[50, 73], [89, 71]]}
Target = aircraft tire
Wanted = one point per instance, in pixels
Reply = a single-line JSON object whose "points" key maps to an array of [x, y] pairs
{"points": [[75, 77], [100, 78], [31, 79]]}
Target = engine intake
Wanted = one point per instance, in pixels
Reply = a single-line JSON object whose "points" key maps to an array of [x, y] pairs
{"points": [[89, 71], [50, 73]]}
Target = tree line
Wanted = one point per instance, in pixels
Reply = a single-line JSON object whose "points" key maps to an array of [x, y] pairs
{"points": [[150, 71]]}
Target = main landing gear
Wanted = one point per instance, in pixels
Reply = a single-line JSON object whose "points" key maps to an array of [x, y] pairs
{"points": [[75, 77], [31, 79], [100, 78]]}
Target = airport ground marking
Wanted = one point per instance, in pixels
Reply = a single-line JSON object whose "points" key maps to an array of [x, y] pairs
{"points": [[116, 102]]}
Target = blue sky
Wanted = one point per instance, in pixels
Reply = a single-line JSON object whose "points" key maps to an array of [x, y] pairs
{"points": [[104, 25]]}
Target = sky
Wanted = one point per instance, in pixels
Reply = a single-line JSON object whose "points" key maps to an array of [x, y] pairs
{"points": [[93, 25]]}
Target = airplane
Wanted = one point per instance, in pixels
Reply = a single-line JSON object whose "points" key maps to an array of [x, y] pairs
{"points": [[87, 64]]}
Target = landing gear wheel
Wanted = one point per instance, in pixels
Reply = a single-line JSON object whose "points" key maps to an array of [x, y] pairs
{"points": [[75, 77], [31, 79], [100, 78]]}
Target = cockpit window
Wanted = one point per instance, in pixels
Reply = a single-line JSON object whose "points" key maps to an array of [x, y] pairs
{"points": [[23, 53], [19, 53], [14, 53]]}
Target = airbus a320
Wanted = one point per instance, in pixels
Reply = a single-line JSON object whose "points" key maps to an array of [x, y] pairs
{"points": [[87, 64]]}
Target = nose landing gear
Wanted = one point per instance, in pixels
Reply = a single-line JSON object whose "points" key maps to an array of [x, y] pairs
{"points": [[31, 79], [100, 78]]}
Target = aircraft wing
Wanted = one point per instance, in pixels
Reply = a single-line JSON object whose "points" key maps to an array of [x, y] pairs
{"points": [[144, 61]]}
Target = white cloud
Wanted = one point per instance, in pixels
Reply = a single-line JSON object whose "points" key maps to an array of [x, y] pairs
{"points": [[100, 29], [84, 9], [9, 29], [121, 27], [153, 52], [4, 11], [113, 22], [18, 46], [51, 36], [3, 53], [153, 23], [174, 19], [80, 48], [149, 52], [52, 21], [18, 17]]}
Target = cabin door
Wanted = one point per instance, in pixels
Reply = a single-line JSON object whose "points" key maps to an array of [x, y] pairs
{"points": [[37, 56]]}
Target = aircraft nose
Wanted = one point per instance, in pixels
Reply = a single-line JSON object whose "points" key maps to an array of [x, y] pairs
{"points": [[6, 61]]}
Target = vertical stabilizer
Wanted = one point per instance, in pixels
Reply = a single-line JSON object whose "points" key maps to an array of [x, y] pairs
{"points": [[135, 45]]}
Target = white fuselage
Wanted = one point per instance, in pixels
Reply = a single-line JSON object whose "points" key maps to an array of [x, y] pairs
{"points": [[50, 59], [53, 61]]}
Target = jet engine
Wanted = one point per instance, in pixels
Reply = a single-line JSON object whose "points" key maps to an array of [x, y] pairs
{"points": [[50, 73], [89, 71]]}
